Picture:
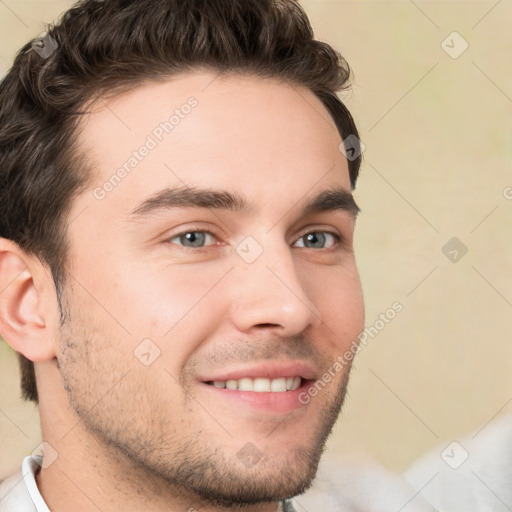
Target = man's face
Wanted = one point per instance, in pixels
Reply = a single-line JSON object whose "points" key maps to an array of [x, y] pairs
{"points": [[164, 297]]}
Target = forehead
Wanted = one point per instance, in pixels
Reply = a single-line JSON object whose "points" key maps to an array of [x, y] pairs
{"points": [[202, 129]]}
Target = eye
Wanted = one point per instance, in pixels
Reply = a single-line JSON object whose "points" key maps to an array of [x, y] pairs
{"points": [[318, 240], [193, 239]]}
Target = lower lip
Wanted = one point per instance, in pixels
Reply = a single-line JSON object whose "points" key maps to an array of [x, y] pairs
{"points": [[276, 402]]}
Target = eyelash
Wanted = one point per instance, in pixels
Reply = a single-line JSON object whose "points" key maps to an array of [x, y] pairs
{"points": [[337, 238]]}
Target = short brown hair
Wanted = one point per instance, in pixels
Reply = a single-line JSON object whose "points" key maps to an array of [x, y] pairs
{"points": [[99, 48]]}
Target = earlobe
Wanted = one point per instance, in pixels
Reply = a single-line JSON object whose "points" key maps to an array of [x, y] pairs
{"points": [[25, 323]]}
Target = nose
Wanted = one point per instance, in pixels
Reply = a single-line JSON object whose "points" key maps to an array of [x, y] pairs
{"points": [[270, 294]]}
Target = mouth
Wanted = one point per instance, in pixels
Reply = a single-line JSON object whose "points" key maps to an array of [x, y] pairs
{"points": [[272, 387], [260, 384]]}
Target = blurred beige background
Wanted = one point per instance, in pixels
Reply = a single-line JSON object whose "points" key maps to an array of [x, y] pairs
{"points": [[436, 119]]}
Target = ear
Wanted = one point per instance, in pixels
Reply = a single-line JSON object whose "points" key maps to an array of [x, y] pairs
{"points": [[29, 312]]}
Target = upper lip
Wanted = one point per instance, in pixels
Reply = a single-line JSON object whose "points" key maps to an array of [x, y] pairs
{"points": [[268, 370]]}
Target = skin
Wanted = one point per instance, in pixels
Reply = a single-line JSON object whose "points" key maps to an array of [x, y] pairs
{"points": [[133, 437]]}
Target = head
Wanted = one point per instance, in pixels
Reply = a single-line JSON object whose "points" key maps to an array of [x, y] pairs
{"points": [[176, 213]]}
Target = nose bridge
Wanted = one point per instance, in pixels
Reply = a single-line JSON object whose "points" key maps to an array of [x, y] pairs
{"points": [[270, 292]]}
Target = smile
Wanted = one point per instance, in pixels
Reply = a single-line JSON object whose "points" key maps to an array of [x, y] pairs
{"points": [[259, 384]]}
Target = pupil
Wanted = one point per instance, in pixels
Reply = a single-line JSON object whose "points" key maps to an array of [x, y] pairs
{"points": [[194, 239], [316, 239]]}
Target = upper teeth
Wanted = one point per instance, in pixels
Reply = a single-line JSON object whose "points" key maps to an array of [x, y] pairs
{"points": [[260, 384]]}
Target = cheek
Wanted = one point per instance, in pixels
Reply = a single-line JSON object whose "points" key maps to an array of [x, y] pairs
{"points": [[176, 305], [105, 370], [338, 297], [93, 356]]}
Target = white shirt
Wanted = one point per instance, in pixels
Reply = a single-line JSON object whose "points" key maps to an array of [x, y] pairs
{"points": [[19, 493], [472, 473]]}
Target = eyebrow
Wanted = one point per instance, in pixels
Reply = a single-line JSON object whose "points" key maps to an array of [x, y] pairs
{"points": [[192, 197], [333, 199]]}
